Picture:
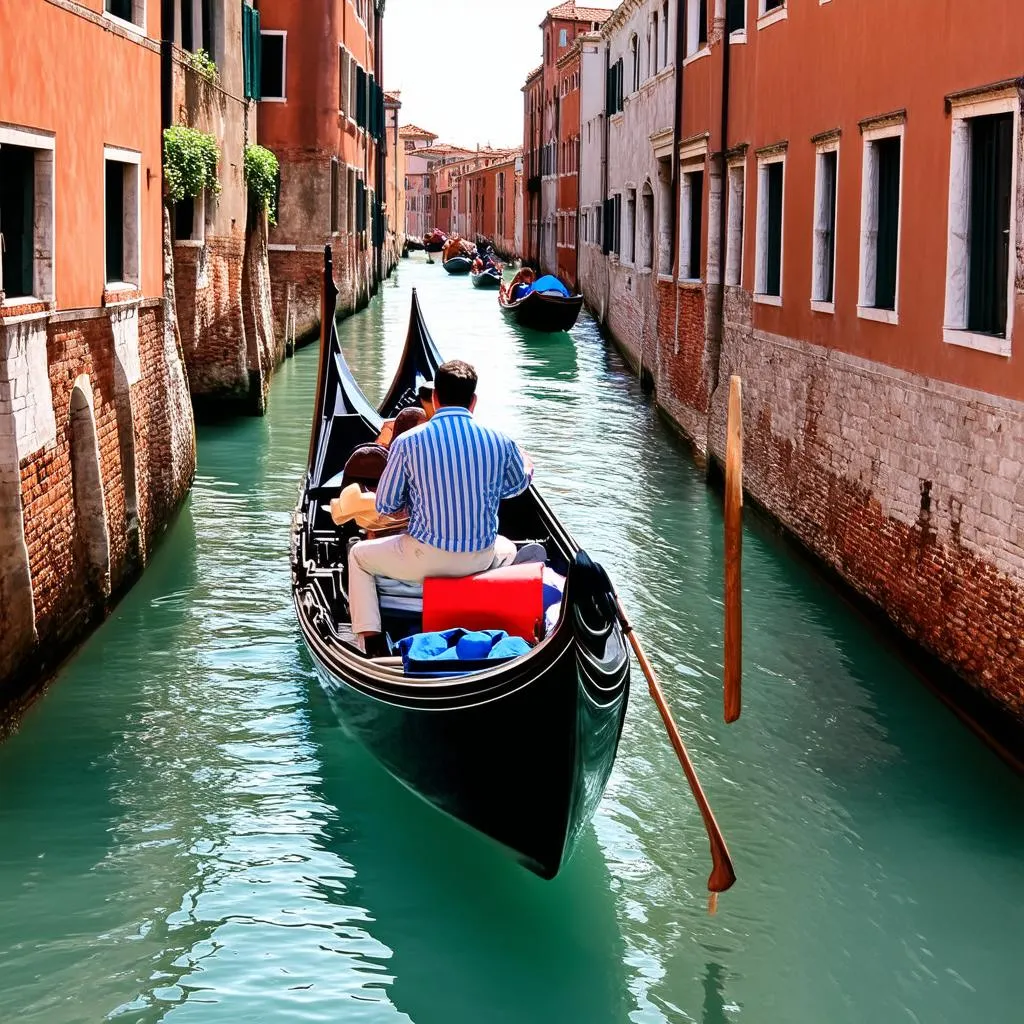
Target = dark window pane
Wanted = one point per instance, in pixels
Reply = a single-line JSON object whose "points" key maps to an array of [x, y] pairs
{"points": [[186, 25], [702, 23], [335, 197], [17, 205], [115, 220], [272, 71], [184, 217], [771, 5], [828, 187], [736, 14], [989, 237], [773, 262], [696, 224], [207, 26], [120, 8], [888, 221]]}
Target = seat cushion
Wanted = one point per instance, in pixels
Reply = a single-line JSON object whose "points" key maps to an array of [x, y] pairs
{"points": [[510, 598]]}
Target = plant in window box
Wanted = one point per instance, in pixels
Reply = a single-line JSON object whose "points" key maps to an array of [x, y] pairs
{"points": [[204, 66], [190, 163], [261, 175]]}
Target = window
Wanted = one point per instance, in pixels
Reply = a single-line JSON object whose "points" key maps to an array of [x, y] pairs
{"points": [[880, 223], [664, 33], [767, 6], [335, 195], [691, 226], [634, 56], [736, 15], [770, 188], [645, 255], [563, 38], [132, 11], [26, 215], [350, 181], [613, 88], [190, 219], [629, 226], [652, 45], [274, 67], [824, 265], [981, 244], [696, 26], [121, 216], [734, 225], [345, 84], [612, 225]]}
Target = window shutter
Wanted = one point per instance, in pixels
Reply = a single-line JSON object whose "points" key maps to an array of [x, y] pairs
{"points": [[246, 52], [360, 97], [606, 234], [773, 263], [888, 221], [257, 55]]}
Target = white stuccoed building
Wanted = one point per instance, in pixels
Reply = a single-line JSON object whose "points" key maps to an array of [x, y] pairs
{"points": [[626, 198]]}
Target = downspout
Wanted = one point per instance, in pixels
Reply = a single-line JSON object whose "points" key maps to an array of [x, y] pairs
{"points": [[719, 329]]}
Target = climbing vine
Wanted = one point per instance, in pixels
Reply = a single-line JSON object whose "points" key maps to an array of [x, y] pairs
{"points": [[204, 66], [190, 163], [261, 168]]}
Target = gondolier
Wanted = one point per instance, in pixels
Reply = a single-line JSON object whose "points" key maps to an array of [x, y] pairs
{"points": [[450, 475]]}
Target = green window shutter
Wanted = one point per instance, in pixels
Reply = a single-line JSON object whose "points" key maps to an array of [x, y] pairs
{"points": [[888, 222], [773, 256], [246, 51], [360, 97]]}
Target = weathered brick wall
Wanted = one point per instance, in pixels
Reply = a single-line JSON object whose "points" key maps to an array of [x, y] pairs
{"points": [[264, 346], [908, 487]]}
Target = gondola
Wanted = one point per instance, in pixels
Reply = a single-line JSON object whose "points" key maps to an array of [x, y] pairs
{"points": [[543, 311], [458, 265], [433, 246], [489, 278], [520, 752]]}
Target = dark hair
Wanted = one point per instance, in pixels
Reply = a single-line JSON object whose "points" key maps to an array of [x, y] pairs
{"points": [[455, 383], [407, 419], [425, 392]]}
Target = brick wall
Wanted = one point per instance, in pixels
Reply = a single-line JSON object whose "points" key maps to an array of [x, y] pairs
{"points": [[907, 487]]}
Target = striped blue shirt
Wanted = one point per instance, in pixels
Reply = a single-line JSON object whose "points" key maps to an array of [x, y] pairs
{"points": [[451, 474]]}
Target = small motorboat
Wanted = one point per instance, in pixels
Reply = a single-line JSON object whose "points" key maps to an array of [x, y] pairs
{"points": [[458, 265], [543, 310], [520, 751], [489, 278]]}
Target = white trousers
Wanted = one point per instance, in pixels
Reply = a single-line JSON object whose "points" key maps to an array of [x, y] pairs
{"points": [[403, 558]]}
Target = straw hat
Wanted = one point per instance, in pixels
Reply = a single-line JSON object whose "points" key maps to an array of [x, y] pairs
{"points": [[356, 504]]}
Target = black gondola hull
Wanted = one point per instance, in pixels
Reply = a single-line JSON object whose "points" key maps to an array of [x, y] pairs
{"points": [[458, 265], [540, 311], [486, 279], [433, 246]]}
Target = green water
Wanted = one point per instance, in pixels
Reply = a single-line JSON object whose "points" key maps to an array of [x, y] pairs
{"points": [[187, 835]]}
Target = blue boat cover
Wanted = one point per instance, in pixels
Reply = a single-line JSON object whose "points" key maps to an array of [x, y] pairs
{"points": [[455, 650], [550, 283]]}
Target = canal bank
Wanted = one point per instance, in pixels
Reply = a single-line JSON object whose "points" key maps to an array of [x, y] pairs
{"points": [[188, 835]]}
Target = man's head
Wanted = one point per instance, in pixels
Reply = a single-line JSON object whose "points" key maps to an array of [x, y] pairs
{"points": [[455, 384]]}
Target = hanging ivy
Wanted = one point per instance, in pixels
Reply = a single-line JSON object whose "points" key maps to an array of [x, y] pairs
{"points": [[190, 163], [204, 66], [261, 171]]}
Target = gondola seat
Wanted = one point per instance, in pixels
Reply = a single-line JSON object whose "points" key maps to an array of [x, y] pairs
{"points": [[510, 598]]}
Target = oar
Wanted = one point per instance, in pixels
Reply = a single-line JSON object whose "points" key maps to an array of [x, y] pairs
{"points": [[722, 873]]}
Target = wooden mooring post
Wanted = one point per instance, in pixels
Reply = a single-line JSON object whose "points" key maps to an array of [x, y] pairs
{"points": [[733, 643]]}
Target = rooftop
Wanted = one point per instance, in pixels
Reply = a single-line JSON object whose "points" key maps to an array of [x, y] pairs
{"points": [[412, 131], [573, 12]]}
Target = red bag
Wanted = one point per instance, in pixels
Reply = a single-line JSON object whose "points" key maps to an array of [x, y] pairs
{"points": [[511, 599]]}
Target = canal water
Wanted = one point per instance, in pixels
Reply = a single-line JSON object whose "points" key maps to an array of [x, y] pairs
{"points": [[186, 834]]}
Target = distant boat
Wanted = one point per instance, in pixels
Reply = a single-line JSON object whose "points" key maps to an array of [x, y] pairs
{"points": [[520, 751], [458, 265], [489, 278]]}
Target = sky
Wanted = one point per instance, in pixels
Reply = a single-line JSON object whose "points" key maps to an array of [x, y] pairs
{"points": [[491, 46]]}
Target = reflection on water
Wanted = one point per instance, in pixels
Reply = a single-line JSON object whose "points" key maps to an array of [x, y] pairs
{"points": [[187, 835]]}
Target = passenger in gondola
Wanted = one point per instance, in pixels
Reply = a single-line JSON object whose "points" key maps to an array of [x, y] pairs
{"points": [[450, 475], [520, 285], [426, 397]]}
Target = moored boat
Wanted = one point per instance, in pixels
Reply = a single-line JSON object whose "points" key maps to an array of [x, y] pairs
{"points": [[543, 311], [458, 265], [521, 751], [489, 278]]}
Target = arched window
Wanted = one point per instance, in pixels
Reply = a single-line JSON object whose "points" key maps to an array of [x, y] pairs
{"points": [[634, 52]]}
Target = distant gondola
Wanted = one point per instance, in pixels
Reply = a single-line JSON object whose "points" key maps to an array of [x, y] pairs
{"points": [[458, 265], [489, 278], [543, 311], [520, 752]]}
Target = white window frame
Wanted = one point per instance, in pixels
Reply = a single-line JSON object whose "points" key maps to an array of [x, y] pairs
{"points": [[137, 25], [818, 266], [739, 35], [761, 251], [628, 236], [869, 222], [766, 17], [736, 224], [954, 328], [132, 234], [44, 218], [688, 167], [694, 50], [283, 98], [197, 236]]}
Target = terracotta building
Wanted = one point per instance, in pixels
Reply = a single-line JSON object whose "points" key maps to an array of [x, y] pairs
{"points": [[395, 202], [221, 268], [494, 201], [567, 201], [847, 241], [322, 114], [419, 205], [97, 444], [547, 123]]}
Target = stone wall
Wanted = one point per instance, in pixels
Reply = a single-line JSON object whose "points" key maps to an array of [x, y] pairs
{"points": [[909, 488]]}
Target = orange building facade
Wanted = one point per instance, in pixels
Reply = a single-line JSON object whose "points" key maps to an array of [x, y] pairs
{"points": [[548, 122], [567, 211], [322, 113], [849, 193], [491, 200], [96, 433]]}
